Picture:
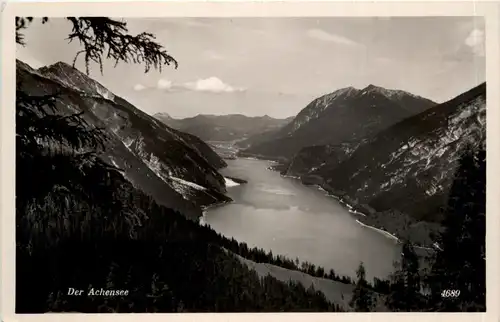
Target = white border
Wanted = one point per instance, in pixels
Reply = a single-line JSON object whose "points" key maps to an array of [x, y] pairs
{"points": [[489, 9]]}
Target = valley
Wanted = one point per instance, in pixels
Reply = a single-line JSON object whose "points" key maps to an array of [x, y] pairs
{"points": [[232, 127], [351, 198]]}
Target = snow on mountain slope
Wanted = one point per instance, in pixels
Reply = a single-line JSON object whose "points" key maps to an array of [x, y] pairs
{"points": [[189, 184], [230, 183]]}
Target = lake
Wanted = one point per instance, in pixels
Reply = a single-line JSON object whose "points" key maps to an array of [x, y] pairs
{"points": [[280, 214]]}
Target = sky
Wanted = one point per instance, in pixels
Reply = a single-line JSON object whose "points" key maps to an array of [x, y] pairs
{"points": [[276, 66]]}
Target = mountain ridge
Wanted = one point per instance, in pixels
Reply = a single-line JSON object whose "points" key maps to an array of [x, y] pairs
{"points": [[171, 171], [347, 114], [231, 127]]}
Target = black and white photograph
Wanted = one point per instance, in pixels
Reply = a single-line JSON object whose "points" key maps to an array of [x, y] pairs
{"points": [[250, 164]]}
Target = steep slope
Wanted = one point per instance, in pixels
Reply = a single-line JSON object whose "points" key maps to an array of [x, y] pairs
{"points": [[223, 127], [401, 177], [346, 115], [311, 158], [258, 138], [204, 149], [180, 171]]}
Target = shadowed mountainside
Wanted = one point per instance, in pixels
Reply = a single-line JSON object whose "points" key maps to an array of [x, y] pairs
{"points": [[347, 115]]}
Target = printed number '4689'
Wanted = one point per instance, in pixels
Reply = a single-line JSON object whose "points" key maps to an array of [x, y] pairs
{"points": [[450, 293]]}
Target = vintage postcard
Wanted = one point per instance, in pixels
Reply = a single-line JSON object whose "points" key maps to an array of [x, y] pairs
{"points": [[250, 158]]}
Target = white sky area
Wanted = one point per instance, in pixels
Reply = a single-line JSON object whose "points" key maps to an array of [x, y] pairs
{"points": [[276, 66]]}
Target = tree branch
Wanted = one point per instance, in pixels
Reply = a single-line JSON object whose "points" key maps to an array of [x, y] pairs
{"points": [[101, 36]]}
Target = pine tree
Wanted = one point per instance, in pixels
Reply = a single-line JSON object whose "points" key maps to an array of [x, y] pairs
{"points": [[405, 289], [362, 298], [460, 264]]}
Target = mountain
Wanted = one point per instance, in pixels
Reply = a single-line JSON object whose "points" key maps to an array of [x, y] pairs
{"points": [[346, 115], [178, 169], [402, 176], [223, 127]]}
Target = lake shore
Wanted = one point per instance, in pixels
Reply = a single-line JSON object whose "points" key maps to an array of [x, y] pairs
{"points": [[374, 220], [383, 232]]}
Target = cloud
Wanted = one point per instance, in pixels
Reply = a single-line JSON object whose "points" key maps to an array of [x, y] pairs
{"points": [[212, 85], [208, 85], [470, 49], [139, 87], [322, 35], [475, 41], [164, 84]]}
